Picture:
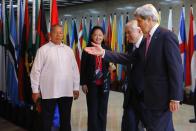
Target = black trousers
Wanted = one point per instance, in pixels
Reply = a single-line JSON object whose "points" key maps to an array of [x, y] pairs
{"points": [[48, 107], [97, 103]]}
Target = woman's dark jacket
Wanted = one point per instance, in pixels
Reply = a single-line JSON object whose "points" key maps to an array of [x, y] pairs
{"points": [[87, 70]]}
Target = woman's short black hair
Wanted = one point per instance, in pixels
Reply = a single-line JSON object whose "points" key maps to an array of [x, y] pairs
{"points": [[93, 30]]}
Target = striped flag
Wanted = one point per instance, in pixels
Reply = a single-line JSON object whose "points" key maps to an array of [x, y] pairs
{"points": [[192, 49], [12, 80], [183, 41], [13, 31], [80, 40]]}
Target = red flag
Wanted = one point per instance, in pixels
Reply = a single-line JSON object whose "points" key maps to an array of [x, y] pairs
{"points": [[54, 13], [190, 51], [22, 68], [41, 27], [191, 35]]}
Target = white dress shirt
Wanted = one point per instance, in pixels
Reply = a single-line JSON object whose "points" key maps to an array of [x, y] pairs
{"points": [[55, 72]]}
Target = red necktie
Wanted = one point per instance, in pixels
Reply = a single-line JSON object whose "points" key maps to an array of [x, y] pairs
{"points": [[147, 43]]}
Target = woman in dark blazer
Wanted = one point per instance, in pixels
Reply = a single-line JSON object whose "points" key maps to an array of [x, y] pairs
{"points": [[95, 82]]}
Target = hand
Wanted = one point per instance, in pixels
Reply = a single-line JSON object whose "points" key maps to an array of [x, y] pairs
{"points": [[95, 50], [35, 97], [75, 95], [85, 89], [174, 106]]}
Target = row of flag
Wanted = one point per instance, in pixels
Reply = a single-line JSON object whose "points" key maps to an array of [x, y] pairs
{"points": [[20, 37], [187, 48]]}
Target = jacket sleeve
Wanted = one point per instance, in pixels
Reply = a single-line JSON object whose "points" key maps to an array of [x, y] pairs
{"points": [[83, 69], [174, 66], [119, 58]]}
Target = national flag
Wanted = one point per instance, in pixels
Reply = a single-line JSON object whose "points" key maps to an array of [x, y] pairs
{"points": [[42, 32], [20, 21], [192, 50], [36, 6], [114, 43], [22, 76], [12, 80], [90, 27], [183, 41], [85, 35], [109, 31], [74, 42], [66, 33], [54, 19], [120, 45], [170, 23], [98, 20], [13, 31], [2, 54], [114, 34], [80, 39], [104, 24]]}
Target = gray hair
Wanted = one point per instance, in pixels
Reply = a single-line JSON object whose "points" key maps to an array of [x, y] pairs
{"points": [[133, 24], [53, 27], [147, 10]]}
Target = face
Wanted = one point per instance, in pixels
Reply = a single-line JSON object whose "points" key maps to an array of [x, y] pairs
{"points": [[56, 35], [97, 36], [144, 24], [132, 35]]}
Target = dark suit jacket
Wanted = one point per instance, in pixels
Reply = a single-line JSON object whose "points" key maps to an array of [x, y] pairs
{"points": [[134, 92], [87, 69], [163, 72]]}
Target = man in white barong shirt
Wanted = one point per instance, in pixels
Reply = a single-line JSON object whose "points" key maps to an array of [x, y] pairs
{"points": [[55, 79]]}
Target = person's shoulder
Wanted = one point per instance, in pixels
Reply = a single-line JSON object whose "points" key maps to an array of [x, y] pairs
{"points": [[67, 48], [45, 46], [165, 30]]}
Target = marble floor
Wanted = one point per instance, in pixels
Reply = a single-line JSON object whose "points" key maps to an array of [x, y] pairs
{"points": [[79, 116]]}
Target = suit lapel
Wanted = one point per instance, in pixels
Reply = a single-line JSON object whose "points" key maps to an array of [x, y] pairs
{"points": [[152, 43]]}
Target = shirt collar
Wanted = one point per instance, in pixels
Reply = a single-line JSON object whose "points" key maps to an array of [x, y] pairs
{"points": [[61, 45], [137, 44], [153, 29]]}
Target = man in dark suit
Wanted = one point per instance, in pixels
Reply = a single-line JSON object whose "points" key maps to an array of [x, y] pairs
{"points": [[133, 97], [163, 76]]}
